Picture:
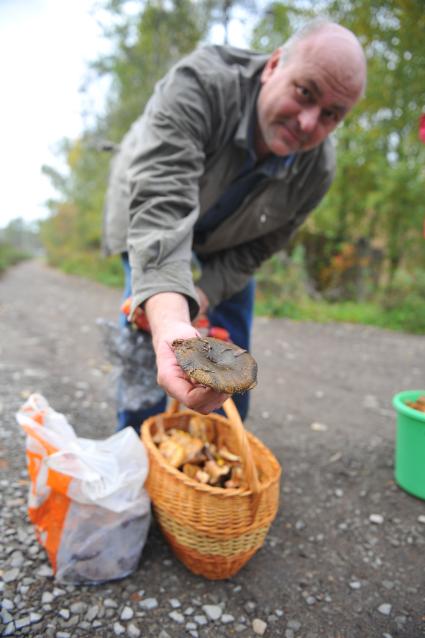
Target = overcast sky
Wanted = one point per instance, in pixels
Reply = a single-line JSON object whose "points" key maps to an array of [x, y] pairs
{"points": [[44, 49], [45, 46]]}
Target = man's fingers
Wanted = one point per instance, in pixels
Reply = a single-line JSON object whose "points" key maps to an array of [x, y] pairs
{"points": [[195, 397], [205, 400]]}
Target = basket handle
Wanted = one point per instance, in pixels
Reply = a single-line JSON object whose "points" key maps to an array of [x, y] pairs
{"points": [[250, 471]]}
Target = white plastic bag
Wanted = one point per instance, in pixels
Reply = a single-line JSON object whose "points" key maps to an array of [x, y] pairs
{"points": [[86, 499]]}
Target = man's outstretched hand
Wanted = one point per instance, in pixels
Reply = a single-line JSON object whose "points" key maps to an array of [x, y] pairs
{"points": [[169, 319]]}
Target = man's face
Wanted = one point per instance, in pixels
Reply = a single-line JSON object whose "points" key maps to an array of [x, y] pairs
{"points": [[301, 102]]}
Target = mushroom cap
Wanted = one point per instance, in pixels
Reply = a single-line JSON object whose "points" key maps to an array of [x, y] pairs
{"points": [[218, 364]]}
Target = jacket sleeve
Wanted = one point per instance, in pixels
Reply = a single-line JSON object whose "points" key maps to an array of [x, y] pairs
{"points": [[168, 160], [228, 272]]}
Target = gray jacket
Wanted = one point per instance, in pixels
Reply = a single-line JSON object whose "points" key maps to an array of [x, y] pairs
{"points": [[175, 162]]}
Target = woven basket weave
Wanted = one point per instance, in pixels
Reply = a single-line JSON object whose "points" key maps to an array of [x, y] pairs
{"points": [[213, 531]]}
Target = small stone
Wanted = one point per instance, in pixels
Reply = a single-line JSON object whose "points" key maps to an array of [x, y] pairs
{"points": [[310, 600], [370, 402], [22, 622], [188, 611], [74, 620], [108, 602], [164, 634], [5, 617], [118, 629], [92, 612], [175, 603], [190, 626], [259, 626], [148, 603], [9, 630], [318, 427], [421, 519], [212, 611], [45, 570], [385, 609], [78, 607], [279, 612], [355, 584], [127, 613], [17, 559], [58, 592], [63, 634], [250, 607], [47, 597], [176, 616], [133, 631], [34, 617], [11, 575], [201, 620], [227, 618], [65, 614], [7, 604], [295, 625], [376, 519]]}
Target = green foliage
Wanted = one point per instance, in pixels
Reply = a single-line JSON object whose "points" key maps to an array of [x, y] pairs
{"points": [[403, 310], [9, 256], [272, 29], [408, 317], [18, 241], [378, 191]]}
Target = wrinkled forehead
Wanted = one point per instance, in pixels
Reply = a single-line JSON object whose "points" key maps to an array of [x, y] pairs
{"points": [[335, 59]]}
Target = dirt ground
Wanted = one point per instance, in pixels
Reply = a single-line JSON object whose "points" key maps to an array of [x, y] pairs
{"points": [[345, 555]]}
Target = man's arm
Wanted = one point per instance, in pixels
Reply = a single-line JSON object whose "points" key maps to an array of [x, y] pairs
{"points": [[169, 319]]}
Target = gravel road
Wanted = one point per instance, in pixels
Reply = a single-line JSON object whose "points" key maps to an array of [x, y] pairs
{"points": [[345, 557]]}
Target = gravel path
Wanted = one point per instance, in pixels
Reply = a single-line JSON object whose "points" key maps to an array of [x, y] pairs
{"points": [[345, 556]]}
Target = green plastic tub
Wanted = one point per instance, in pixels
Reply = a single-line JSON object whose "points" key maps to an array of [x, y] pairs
{"points": [[410, 444]]}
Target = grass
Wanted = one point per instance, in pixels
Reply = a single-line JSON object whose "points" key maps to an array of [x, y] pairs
{"points": [[409, 316], [9, 256]]}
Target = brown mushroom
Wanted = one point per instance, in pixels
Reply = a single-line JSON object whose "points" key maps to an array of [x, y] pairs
{"points": [[217, 364]]}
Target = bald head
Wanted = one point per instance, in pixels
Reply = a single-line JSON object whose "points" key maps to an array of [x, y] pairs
{"points": [[335, 48]]}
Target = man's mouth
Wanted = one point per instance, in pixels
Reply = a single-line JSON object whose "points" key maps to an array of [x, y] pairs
{"points": [[291, 136]]}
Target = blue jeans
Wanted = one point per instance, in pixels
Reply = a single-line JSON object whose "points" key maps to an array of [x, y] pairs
{"points": [[234, 314]]}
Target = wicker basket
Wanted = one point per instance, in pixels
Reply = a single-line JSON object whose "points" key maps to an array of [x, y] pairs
{"points": [[213, 531]]}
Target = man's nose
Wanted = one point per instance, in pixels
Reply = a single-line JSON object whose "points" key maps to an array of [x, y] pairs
{"points": [[309, 117]]}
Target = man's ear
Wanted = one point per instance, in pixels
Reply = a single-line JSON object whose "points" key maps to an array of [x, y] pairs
{"points": [[271, 65]]}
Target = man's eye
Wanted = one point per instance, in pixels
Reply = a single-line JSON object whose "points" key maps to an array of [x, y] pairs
{"points": [[303, 91], [330, 116]]}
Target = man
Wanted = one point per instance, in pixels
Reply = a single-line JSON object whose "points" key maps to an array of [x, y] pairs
{"points": [[229, 158]]}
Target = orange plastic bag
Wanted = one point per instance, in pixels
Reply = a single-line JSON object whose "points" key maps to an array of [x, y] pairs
{"points": [[86, 500]]}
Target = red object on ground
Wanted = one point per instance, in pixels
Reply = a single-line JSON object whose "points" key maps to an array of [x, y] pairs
{"points": [[422, 128]]}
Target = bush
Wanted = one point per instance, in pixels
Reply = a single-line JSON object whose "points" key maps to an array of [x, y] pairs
{"points": [[9, 256]]}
